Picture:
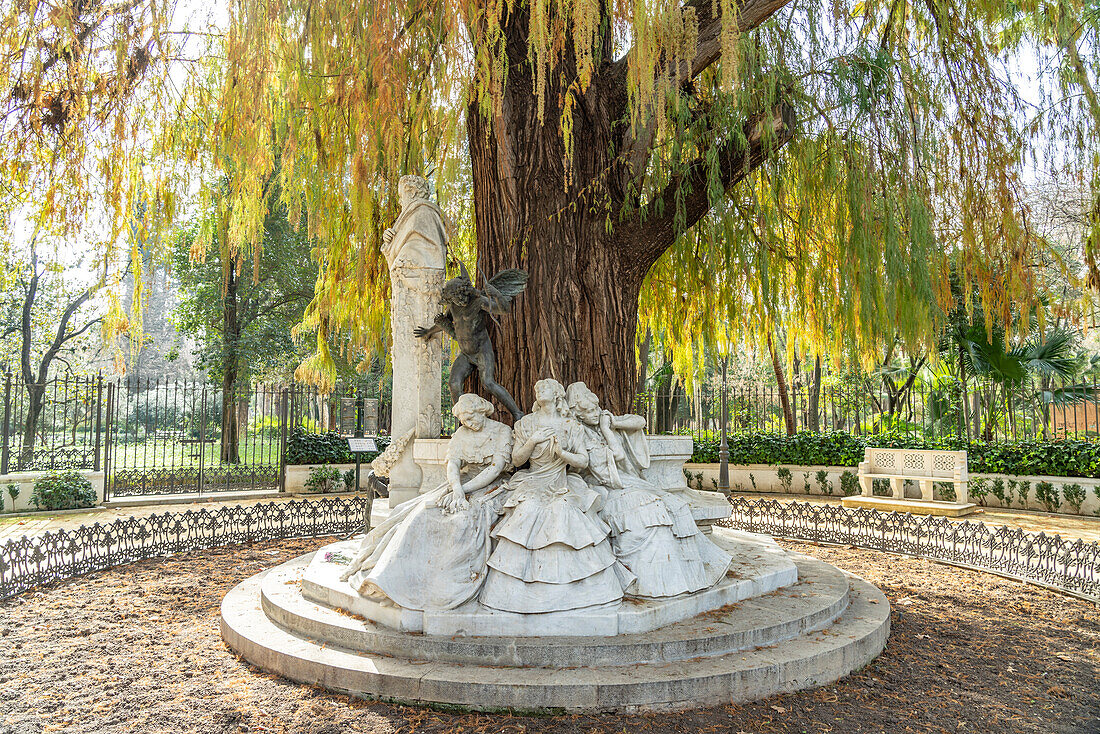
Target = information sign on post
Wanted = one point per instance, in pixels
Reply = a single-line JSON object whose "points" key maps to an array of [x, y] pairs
{"points": [[362, 445]]}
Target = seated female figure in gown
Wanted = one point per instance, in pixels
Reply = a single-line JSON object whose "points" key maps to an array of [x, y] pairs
{"points": [[653, 532], [432, 550], [552, 550]]}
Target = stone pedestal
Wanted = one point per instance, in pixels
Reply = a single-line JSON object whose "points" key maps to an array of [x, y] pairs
{"points": [[796, 623], [415, 248], [417, 371]]}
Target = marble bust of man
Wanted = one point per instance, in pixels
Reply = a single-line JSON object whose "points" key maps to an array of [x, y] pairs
{"points": [[418, 239]]}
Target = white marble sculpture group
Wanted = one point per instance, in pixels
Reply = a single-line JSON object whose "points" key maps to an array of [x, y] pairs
{"points": [[575, 526], [559, 564], [578, 527]]}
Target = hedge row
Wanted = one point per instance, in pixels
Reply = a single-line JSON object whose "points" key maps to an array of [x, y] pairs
{"points": [[1050, 458], [304, 447]]}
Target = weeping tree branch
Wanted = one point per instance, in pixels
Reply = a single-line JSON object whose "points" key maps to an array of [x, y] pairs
{"points": [[749, 13], [686, 198]]}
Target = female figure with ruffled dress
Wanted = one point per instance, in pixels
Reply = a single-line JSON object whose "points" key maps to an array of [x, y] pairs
{"points": [[553, 551], [653, 532], [431, 552]]}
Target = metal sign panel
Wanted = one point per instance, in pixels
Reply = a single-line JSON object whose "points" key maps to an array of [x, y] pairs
{"points": [[361, 445]]}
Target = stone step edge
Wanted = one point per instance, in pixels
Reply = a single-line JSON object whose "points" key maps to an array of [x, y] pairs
{"points": [[337, 628], [816, 659]]}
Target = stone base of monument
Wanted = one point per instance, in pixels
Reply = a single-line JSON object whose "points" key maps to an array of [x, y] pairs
{"points": [[939, 508], [778, 622]]}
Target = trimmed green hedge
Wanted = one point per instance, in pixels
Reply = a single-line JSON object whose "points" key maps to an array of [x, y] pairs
{"points": [[304, 447], [1051, 458], [67, 490]]}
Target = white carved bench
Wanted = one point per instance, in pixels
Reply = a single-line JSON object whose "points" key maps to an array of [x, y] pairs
{"points": [[923, 467]]}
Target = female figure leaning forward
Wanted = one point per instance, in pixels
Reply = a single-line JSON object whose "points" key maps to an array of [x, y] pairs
{"points": [[653, 532], [552, 552], [431, 552]]}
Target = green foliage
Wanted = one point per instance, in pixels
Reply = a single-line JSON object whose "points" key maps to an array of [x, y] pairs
{"points": [[324, 479], [822, 478], [304, 447], [156, 410], [804, 448], [270, 294], [1074, 495], [979, 489], [68, 490], [1065, 458], [349, 480], [806, 482], [849, 483], [785, 478], [947, 490], [1047, 494], [997, 487], [880, 487], [753, 480], [13, 492], [1023, 489]]}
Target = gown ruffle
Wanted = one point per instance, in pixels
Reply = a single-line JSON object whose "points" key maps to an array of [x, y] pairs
{"points": [[552, 552], [653, 533]]}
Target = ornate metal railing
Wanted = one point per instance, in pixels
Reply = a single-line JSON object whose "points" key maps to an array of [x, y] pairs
{"points": [[54, 556], [1046, 560]]}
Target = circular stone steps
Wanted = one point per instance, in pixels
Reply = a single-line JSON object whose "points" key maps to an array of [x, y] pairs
{"points": [[814, 602], [810, 633]]}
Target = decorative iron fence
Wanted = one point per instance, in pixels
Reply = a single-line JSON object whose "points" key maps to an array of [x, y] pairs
{"points": [[337, 411], [1046, 560], [182, 437], [56, 424], [28, 562], [1038, 409]]}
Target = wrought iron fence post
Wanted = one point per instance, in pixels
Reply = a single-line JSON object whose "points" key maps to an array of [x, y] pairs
{"points": [[4, 455], [723, 446], [107, 438], [202, 437], [98, 423], [284, 419]]}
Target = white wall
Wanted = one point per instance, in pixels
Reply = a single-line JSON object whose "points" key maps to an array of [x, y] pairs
{"points": [[26, 480], [297, 474], [767, 480]]}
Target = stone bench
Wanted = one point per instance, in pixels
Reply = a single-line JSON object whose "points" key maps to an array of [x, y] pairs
{"points": [[921, 466]]}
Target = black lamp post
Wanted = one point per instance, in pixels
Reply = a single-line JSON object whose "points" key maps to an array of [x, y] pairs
{"points": [[723, 446]]}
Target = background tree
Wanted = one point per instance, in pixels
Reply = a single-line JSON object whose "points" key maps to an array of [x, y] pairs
{"points": [[241, 313], [47, 316]]}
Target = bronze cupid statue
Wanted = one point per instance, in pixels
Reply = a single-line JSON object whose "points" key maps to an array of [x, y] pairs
{"points": [[466, 319]]}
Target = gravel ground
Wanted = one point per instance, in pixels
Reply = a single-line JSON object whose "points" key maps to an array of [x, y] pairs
{"points": [[137, 649]]}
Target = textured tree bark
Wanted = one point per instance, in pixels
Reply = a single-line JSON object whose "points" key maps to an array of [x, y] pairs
{"points": [[813, 420], [231, 335], [784, 395], [565, 224]]}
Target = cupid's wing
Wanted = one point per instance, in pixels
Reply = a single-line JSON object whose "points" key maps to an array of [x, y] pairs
{"points": [[503, 287]]}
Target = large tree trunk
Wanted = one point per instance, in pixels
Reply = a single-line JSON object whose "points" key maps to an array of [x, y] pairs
{"points": [[784, 396], [813, 403], [570, 221], [36, 398], [578, 317], [231, 333]]}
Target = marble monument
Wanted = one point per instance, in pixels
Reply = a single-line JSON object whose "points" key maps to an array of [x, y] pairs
{"points": [[558, 565], [415, 249]]}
